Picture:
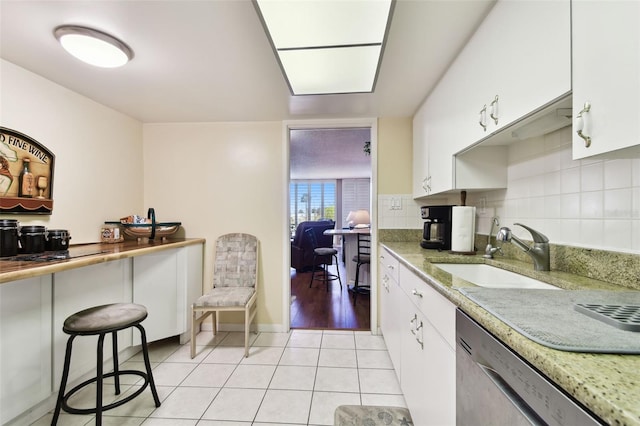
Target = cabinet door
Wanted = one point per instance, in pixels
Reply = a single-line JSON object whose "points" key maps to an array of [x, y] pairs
{"points": [[414, 380], [440, 312], [156, 285], [81, 288], [428, 373], [521, 53], [606, 73], [392, 301], [25, 348], [420, 151], [190, 262]]}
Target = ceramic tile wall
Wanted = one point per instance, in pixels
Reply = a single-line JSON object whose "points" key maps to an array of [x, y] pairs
{"points": [[586, 203], [398, 211]]}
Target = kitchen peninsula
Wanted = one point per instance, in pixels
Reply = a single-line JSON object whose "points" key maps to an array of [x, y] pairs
{"points": [[37, 296]]}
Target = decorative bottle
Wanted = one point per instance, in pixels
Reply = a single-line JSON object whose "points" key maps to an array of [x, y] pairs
{"points": [[26, 180]]}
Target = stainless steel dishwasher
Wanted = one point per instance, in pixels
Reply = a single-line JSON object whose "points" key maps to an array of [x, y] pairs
{"points": [[494, 386]]}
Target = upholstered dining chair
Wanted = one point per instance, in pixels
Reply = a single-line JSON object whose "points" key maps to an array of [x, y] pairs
{"points": [[235, 285]]}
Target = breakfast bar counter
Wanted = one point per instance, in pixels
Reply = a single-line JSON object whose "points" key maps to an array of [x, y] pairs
{"points": [[14, 268], [38, 292]]}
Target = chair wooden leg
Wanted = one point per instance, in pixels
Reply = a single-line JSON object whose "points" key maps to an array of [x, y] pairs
{"points": [[194, 324], [247, 316], [215, 322]]}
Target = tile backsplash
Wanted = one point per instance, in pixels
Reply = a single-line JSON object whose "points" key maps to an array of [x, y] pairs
{"points": [[399, 211], [583, 203]]}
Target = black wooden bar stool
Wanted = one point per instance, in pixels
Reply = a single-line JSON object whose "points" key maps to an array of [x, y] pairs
{"points": [[99, 321]]}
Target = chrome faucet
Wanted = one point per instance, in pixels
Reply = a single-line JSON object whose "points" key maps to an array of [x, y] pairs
{"points": [[489, 251], [539, 252]]}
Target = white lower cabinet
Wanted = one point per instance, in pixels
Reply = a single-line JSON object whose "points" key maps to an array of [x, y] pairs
{"points": [[25, 352], [418, 325], [82, 288], [167, 283], [428, 373], [391, 300], [157, 288]]}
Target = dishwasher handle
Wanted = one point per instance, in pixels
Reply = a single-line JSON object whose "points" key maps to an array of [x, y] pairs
{"points": [[511, 394]]}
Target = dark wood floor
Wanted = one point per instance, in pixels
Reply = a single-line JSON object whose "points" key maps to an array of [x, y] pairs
{"points": [[317, 308]]}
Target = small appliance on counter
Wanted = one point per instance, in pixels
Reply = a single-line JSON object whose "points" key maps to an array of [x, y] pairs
{"points": [[436, 233]]}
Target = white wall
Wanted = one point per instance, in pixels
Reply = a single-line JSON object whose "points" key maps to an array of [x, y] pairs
{"points": [[218, 178], [588, 203], [98, 173]]}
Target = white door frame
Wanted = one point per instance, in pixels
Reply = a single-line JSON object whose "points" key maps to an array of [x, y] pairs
{"points": [[371, 123]]}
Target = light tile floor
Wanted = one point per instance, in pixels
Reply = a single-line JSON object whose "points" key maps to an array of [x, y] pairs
{"points": [[295, 378]]}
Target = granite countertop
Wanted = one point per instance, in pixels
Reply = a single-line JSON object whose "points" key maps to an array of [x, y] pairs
{"points": [[607, 384], [88, 254]]}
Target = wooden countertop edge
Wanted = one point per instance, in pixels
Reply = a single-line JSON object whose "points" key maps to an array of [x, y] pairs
{"points": [[118, 251]]}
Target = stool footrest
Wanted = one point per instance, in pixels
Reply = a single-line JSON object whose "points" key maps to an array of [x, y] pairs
{"points": [[93, 410]]}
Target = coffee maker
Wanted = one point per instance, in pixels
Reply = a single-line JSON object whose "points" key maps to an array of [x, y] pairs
{"points": [[436, 233]]}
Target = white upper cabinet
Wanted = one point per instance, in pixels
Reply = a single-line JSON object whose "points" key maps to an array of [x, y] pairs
{"points": [[518, 61], [420, 165], [606, 76]]}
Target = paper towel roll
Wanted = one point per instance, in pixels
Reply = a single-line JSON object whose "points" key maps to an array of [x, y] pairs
{"points": [[463, 228]]}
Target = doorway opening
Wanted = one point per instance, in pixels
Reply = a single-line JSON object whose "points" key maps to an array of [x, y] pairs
{"points": [[330, 175]]}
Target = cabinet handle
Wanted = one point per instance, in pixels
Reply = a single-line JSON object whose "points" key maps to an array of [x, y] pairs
{"points": [[416, 293], [426, 184], [580, 125], [482, 118], [415, 319], [494, 110], [421, 342]]}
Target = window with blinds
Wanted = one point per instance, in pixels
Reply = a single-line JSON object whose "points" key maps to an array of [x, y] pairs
{"points": [[311, 200], [356, 195]]}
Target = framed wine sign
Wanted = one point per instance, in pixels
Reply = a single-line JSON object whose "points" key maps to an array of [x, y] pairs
{"points": [[26, 174]]}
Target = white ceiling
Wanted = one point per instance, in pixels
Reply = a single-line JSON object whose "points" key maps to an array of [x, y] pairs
{"points": [[210, 60], [329, 153]]}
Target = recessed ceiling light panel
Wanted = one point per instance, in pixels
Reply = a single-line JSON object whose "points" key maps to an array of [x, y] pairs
{"points": [[93, 47], [331, 71], [313, 23], [327, 47]]}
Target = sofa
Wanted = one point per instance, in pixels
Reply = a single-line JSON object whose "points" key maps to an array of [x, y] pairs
{"points": [[302, 247]]}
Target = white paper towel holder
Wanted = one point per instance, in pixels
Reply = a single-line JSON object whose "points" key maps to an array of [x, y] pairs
{"points": [[463, 201]]}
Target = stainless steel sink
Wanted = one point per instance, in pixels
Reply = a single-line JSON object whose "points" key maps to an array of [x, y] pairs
{"points": [[489, 276]]}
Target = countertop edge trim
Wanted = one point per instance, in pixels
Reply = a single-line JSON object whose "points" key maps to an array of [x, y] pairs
{"points": [[54, 267]]}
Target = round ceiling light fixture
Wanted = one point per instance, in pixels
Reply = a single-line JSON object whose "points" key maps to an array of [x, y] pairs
{"points": [[93, 47]]}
